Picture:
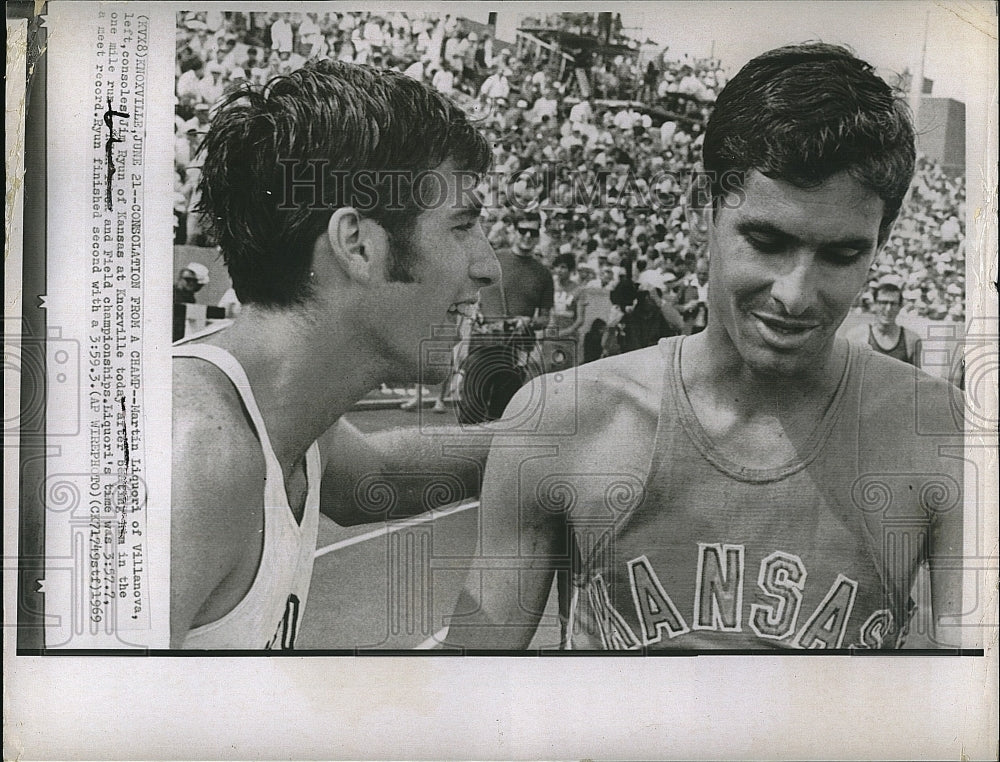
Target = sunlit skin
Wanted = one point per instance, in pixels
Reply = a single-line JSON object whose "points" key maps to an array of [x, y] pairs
{"points": [[786, 265], [454, 260]]}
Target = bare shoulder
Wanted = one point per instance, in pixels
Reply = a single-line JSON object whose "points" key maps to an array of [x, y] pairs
{"points": [[218, 466], [599, 418], [910, 423], [586, 398], [893, 391], [857, 334]]}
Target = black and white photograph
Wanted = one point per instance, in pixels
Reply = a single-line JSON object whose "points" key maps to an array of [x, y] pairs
{"points": [[504, 341]]}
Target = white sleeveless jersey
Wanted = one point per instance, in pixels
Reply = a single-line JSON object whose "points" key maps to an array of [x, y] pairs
{"points": [[270, 615]]}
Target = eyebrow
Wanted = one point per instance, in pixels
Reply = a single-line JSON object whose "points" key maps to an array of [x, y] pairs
{"points": [[764, 227]]}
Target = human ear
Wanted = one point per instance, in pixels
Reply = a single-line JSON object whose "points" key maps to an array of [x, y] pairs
{"points": [[356, 244]]}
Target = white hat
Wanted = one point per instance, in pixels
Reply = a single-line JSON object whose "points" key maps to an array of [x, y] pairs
{"points": [[891, 280], [200, 272], [650, 279]]}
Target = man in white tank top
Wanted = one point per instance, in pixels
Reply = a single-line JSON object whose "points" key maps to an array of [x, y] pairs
{"points": [[759, 484], [341, 198]]}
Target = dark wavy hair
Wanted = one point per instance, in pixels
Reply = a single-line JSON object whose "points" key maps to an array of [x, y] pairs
{"points": [[333, 118], [803, 113], [565, 259]]}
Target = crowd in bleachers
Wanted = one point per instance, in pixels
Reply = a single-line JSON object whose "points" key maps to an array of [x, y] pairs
{"points": [[607, 178], [927, 247]]}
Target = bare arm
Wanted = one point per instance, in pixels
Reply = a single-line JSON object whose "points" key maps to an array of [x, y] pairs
{"points": [[669, 312], [519, 549], [580, 309], [945, 562], [215, 508], [525, 523], [541, 319], [400, 472]]}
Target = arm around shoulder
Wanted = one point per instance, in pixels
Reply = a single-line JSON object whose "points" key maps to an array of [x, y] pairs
{"points": [[397, 473]]}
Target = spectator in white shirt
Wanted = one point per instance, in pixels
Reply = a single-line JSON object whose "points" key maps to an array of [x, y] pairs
{"points": [[444, 80], [281, 34], [211, 86], [373, 33], [496, 86], [188, 83], [626, 119], [546, 105], [581, 112]]}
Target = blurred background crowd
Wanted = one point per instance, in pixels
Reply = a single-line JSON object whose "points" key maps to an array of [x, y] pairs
{"points": [[593, 137]]}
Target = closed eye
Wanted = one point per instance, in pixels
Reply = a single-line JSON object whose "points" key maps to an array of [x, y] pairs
{"points": [[765, 245], [842, 257]]}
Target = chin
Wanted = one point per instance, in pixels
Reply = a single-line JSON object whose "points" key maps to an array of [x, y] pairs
{"points": [[766, 362]]}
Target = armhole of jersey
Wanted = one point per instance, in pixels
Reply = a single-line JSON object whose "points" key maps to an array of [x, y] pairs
{"points": [[909, 345], [231, 368], [669, 349]]}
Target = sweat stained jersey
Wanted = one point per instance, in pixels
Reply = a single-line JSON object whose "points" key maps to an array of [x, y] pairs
{"points": [[717, 555]]}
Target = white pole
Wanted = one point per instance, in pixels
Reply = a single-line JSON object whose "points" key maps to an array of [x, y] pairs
{"points": [[917, 88]]}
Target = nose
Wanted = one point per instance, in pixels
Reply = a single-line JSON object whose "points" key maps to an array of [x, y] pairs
{"points": [[484, 268], [797, 287]]}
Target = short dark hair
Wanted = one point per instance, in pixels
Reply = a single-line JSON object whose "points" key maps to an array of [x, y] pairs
{"points": [[803, 113], [349, 119], [566, 259], [890, 288]]}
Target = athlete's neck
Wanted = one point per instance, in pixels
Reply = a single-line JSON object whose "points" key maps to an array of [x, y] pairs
{"points": [[887, 331], [757, 421], [725, 379], [297, 372]]}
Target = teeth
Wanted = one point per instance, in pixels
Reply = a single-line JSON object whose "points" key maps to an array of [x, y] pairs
{"points": [[465, 309]]}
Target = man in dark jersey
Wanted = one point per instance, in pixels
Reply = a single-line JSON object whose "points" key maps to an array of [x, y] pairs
{"points": [[763, 483], [886, 335]]}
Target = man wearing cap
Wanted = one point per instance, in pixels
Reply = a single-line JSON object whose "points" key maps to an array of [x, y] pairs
{"points": [[885, 335], [200, 121], [190, 280]]}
